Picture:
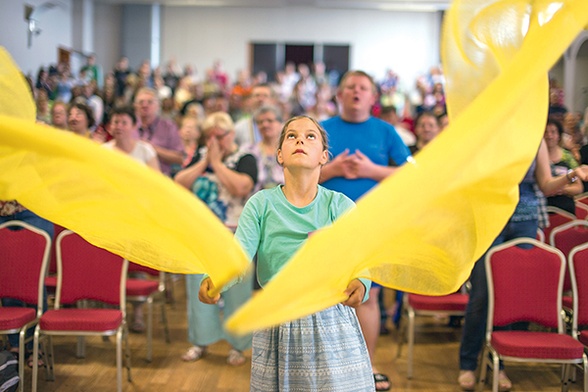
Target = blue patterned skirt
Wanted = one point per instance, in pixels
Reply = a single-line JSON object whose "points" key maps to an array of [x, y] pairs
{"points": [[325, 351]]}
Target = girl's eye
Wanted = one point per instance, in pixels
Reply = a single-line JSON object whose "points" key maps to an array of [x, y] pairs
{"points": [[311, 136], [290, 136]]}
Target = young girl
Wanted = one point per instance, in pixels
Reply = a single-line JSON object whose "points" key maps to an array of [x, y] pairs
{"points": [[326, 350]]}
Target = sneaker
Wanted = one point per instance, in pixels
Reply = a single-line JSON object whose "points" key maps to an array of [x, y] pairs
{"points": [[194, 353], [467, 380]]}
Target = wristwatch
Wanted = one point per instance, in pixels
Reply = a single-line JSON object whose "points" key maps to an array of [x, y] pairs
{"points": [[573, 178]]}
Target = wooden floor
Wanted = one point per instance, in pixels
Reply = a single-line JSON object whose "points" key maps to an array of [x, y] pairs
{"points": [[436, 365]]}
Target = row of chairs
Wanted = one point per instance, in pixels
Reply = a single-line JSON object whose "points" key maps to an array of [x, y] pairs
{"points": [[565, 233], [84, 273]]}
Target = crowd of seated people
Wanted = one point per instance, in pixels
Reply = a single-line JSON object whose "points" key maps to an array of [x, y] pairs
{"points": [[171, 105]]}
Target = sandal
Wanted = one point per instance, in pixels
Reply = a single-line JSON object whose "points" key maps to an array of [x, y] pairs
{"points": [[235, 358], [467, 380], [29, 359], [380, 378], [194, 353]]}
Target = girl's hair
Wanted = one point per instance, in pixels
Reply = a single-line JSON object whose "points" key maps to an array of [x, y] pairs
{"points": [[217, 119], [321, 130]]}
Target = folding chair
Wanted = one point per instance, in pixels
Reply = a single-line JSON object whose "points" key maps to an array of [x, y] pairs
{"points": [[85, 272], [147, 291], [424, 305], [23, 261], [578, 268], [525, 285], [581, 210]]}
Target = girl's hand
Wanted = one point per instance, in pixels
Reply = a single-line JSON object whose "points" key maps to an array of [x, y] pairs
{"points": [[205, 287], [355, 292]]}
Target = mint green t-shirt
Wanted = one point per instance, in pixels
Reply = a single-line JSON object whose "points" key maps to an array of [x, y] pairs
{"points": [[274, 229]]}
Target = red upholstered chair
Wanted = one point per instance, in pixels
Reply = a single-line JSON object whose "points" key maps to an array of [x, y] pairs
{"points": [[23, 260], [85, 272], [566, 237], [582, 198], [578, 267], [557, 217], [424, 305], [149, 290], [51, 279], [525, 285], [540, 235], [581, 210]]}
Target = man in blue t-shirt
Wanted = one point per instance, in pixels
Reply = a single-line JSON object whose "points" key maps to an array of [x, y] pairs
{"points": [[363, 149]]}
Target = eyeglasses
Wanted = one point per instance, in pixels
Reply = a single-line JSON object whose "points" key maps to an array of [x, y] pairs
{"points": [[222, 135]]}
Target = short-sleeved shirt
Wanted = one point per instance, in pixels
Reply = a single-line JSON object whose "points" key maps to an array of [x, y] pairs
{"points": [[162, 133], [143, 152], [375, 138], [275, 229]]}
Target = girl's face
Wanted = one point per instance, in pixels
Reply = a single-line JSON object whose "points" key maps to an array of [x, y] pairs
{"points": [[302, 145], [551, 135]]}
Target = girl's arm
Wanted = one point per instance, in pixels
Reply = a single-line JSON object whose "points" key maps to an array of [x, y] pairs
{"points": [[355, 292], [550, 185]]}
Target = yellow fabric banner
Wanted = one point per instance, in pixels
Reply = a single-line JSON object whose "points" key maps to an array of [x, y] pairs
{"points": [[105, 196], [422, 229]]}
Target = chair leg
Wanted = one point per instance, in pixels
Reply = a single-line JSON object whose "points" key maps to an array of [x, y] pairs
{"points": [[483, 369], [411, 327], [164, 321], [495, 372], [127, 352], [21, 357], [81, 348], [35, 355], [49, 359], [149, 329], [119, 359]]}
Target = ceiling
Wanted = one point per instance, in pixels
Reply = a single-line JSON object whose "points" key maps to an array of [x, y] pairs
{"points": [[384, 5]]}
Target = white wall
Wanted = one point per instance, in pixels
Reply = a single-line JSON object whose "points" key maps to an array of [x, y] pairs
{"points": [[56, 26], [406, 42], [107, 35]]}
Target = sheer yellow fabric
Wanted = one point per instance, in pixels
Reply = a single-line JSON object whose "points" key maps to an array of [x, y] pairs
{"points": [[105, 196], [422, 229]]}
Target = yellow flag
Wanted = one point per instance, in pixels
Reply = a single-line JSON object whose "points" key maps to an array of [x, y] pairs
{"points": [[108, 198], [422, 229]]}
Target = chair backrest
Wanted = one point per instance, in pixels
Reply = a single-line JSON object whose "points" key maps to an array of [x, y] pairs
{"points": [[557, 217], [24, 257], [578, 267], [52, 269], [540, 235], [566, 237], [581, 210], [134, 267], [86, 272], [524, 283]]}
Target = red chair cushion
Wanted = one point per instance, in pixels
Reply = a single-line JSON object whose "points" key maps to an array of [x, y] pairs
{"points": [[81, 320], [583, 337], [15, 317], [539, 345], [453, 302], [567, 302], [140, 287]]}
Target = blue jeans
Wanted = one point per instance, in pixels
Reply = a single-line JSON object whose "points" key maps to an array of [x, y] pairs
{"points": [[40, 223], [474, 329]]}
